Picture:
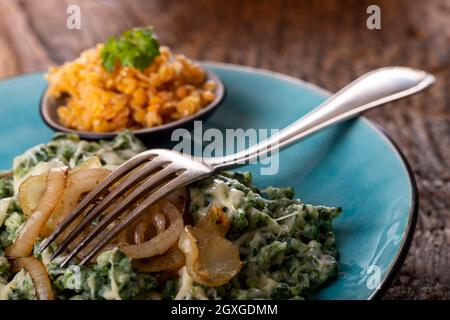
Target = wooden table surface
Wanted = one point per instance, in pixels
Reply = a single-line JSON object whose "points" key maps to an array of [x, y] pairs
{"points": [[324, 42]]}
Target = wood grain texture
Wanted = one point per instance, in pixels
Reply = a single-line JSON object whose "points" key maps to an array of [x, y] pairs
{"points": [[325, 42]]}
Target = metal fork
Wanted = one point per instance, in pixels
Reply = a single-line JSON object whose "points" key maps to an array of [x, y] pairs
{"points": [[156, 173]]}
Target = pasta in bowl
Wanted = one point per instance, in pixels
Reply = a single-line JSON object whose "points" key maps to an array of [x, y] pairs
{"points": [[128, 83]]}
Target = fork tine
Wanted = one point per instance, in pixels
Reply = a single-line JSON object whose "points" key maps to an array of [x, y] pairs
{"points": [[134, 178], [181, 180], [121, 171], [122, 206]]}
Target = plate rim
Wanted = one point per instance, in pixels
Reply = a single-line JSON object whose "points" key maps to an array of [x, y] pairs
{"points": [[408, 234]]}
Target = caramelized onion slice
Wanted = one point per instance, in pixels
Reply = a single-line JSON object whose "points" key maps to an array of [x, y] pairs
{"points": [[90, 163], [172, 259], [178, 198], [215, 220], [144, 225], [79, 182], [39, 276], [138, 233], [124, 236], [211, 259], [161, 242], [30, 192], [54, 187], [159, 221]]}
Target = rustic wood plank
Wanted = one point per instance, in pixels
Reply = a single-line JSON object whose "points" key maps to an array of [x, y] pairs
{"points": [[325, 42], [22, 50], [99, 20]]}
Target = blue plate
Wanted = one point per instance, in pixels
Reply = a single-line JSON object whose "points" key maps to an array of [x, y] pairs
{"points": [[352, 165]]}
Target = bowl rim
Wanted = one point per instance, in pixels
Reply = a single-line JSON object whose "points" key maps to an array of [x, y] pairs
{"points": [[220, 96]]}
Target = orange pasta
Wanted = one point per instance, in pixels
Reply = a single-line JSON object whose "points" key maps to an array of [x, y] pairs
{"points": [[170, 88]]}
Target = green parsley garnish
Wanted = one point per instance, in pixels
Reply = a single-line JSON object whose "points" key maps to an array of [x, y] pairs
{"points": [[136, 48]]}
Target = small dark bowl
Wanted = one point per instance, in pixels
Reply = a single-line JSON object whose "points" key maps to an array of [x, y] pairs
{"points": [[49, 105]]}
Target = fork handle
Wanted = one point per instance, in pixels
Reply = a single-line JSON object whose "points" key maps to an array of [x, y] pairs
{"points": [[370, 90]]}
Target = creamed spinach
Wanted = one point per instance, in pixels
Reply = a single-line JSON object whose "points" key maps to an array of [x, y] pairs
{"points": [[287, 247]]}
